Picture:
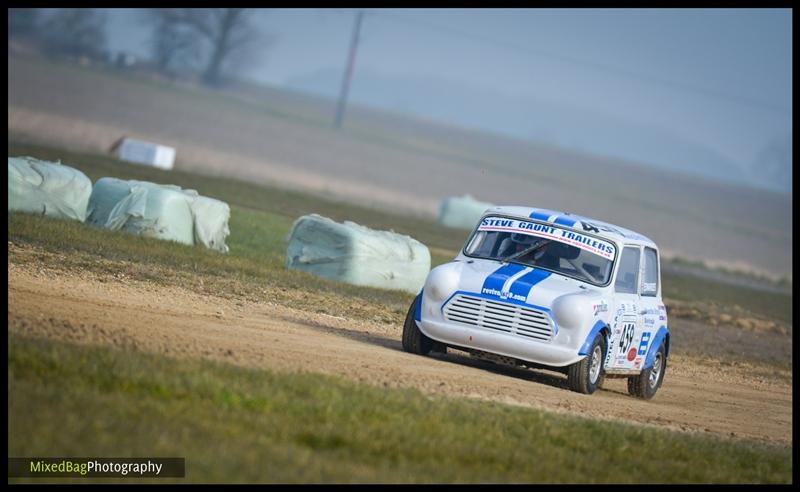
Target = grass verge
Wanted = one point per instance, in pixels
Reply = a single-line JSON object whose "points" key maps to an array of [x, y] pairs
{"points": [[243, 425]]}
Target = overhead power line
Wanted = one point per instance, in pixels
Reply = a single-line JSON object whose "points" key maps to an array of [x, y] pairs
{"points": [[616, 71]]}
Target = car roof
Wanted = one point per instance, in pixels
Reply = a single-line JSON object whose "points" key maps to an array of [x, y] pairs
{"points": [[578, 223]]}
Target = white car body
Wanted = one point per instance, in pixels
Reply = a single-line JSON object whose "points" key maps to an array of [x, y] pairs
{"points": [[541, 316]]}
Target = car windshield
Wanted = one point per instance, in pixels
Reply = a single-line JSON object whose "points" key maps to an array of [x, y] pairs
{"points": [[545, 246]]}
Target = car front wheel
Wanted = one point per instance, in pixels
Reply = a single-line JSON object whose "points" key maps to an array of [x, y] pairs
{"points": [[414, 340], [586, 375]]}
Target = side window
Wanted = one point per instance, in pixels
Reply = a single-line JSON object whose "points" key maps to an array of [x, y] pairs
{"points": [[650, 285], [628, 271]]}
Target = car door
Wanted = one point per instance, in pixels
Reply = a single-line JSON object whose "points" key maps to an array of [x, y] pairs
{"points": [[652, 311], [626, 320]]}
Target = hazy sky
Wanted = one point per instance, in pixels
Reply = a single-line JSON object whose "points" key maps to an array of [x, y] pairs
{"points": [[717, 79]]}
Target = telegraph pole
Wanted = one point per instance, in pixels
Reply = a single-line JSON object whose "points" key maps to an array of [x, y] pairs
{"points": [[348, 74]]}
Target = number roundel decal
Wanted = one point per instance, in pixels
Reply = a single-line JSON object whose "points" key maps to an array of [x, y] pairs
{"points": [[626, 338]]}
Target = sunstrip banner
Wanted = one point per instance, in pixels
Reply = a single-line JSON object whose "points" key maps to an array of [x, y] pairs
{"points": [[586, 243]]}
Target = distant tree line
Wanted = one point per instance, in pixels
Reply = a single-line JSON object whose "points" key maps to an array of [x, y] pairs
{"points": [[208, 37], [22, 22], [65, 32], [207, 41]]}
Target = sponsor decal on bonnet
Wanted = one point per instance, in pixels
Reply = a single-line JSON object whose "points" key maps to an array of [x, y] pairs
{"points": [[513, 281]]}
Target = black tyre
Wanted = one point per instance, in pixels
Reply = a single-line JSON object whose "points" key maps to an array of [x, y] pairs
{"points": [[646, 384], [587, 375], [414, 340]]}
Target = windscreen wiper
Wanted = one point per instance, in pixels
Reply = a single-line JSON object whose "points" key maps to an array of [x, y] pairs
{"points": [[527, 250]]}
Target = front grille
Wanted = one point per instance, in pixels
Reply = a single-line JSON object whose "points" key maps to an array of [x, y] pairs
{"points": [[499, 316]]}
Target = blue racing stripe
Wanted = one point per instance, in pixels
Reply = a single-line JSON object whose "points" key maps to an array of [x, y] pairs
{"points": [[525, 283], [496, 280], [564, 220], [540, 216]]}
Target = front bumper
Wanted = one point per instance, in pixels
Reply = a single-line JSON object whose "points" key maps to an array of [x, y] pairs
{"points": [[550, 353]]}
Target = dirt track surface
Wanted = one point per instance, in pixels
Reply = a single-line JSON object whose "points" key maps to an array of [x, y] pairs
{"points": [[100, 310]]}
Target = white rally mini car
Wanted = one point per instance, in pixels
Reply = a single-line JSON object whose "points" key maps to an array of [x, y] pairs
{"points": [[544, 289]]}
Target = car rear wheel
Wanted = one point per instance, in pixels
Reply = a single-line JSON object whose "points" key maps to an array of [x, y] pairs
{"points": [[414, 340], [586, 375], [646, 384]]}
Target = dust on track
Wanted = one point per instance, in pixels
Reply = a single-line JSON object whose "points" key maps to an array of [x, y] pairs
{"points": [[97, 309]]}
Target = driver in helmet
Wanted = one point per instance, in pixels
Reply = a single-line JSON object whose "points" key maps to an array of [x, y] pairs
{"points": [[540, 256]]}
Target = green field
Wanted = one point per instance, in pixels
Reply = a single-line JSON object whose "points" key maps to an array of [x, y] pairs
{"points": [[238, 425]]}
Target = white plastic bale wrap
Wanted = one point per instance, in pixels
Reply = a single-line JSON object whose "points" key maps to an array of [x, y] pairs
{"points": [[160, 211], [461, 212], [355, 254], [211, 218], [142, 208], [47, 188]]}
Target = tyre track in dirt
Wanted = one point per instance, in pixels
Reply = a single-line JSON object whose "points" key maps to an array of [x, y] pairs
{"points": [[97, 310]]}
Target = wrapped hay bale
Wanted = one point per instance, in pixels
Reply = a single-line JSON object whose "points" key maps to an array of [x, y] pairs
{"points": [[47, 188], [357, 255], [461, 212], [160, 211], [211, 218], [142, 208]]}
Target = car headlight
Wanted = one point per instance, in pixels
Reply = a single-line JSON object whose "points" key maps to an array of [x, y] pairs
{"points": [[572, 310], [442, 281]]}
